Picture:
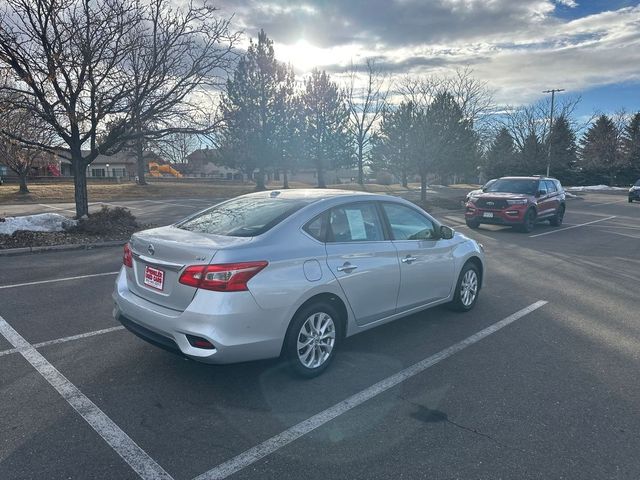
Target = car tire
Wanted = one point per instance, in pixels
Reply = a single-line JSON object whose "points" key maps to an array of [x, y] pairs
{"points": [[319, 325], [467, 289], [529, 221], [473, 224], [556, 220]]}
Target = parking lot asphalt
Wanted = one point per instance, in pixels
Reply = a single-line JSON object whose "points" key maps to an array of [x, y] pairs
{"points": [[552, 394]]}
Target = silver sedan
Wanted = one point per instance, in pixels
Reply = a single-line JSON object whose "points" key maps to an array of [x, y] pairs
{"points": [[290, 273]]}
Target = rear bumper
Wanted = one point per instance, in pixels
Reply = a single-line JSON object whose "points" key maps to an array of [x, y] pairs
{"points": [[512, 215], [233, 322]]}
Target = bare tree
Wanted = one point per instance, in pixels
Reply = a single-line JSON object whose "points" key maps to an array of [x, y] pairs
{"points": [[103, 73], [365, 105], [16, 123], [176, 147], [526, 120], [20, 159]]}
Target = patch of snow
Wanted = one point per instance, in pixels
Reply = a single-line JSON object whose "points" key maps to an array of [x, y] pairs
{"points": [[570, 195], [43, 222], [594, 188]]}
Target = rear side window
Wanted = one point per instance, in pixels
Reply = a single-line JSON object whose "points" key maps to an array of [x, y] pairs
{"points": [[243, 217], [316, 228], [358, 222]]}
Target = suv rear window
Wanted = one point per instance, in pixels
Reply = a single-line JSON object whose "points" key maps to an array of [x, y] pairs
{"points": [[243, 217]]}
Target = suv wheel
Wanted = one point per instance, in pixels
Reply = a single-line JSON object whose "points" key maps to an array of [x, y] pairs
{"points": [[312, 338], [556, 220], [473, 223], [529, 221], [467, 289]]}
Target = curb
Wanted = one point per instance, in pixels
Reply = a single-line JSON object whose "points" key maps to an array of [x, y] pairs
{"points": [[10, 252]]}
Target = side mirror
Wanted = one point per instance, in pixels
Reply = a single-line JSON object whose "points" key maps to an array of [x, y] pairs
{"points": [[541, 193], [446, 233]]}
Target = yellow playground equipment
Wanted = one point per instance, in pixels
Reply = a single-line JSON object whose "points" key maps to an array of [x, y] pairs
{"points": [[156, 170]]}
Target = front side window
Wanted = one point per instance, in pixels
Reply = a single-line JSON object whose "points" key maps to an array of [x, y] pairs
{"points": [[357, 222], [551, 187], [408, 224], [243, 217]]}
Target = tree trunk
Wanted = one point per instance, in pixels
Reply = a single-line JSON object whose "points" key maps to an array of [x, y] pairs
{"points": [[141, 165], [360, 165], [260, 185], [285, 175], [276, 175], [80, 184], [321, 182], [405, 181], [23, 183], [423, 187]]}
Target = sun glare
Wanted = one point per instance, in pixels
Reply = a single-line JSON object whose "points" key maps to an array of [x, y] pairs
{"points": [[304, 56]]}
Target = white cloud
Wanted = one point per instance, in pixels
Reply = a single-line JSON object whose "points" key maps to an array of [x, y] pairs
{"points": [[519, 47]]}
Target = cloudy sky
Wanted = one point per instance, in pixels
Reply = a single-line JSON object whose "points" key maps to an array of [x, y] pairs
{"points": [[521, 47]]}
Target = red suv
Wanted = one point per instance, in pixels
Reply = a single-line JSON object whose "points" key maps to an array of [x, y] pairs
{"points": [[519, 202]]}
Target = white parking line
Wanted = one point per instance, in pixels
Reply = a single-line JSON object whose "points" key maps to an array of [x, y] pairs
{"points": [[572, 226], [282, 439], [174, 204], [117, 439], [66, 279], [66, 339], [607, 203], [56, 208]]}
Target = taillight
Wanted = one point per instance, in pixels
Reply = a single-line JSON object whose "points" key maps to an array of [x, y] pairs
{"points": [[127, 258], [225, 277]]}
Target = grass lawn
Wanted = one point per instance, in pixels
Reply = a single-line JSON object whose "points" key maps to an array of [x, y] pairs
{"points": [[63, 192]]}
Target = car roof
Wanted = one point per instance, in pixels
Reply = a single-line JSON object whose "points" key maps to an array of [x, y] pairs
{"points": [[527, 177], [307, 193]]}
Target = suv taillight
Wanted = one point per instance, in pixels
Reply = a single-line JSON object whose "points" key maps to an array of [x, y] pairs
{"points": [[225, 277], [127, 258]]}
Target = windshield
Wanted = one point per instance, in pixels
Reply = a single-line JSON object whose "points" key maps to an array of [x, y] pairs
{"points": [[524, 186], [243, 217]]}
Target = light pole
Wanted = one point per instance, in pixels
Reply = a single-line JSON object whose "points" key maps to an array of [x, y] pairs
{"points": [[553, 96]]}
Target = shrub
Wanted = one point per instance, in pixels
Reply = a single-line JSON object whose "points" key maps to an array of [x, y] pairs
{"points": [[106, 221]]}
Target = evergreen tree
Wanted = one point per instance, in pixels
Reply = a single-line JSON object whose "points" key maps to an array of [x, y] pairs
{"points": [[600, 152], [500, 158], [452, 144], [631, 148], [327, 140], [253, 106], [393, 146], [562, 148], [532, 157]]}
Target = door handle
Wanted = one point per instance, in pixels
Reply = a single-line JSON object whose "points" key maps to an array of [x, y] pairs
{"points": [[409, 259], [347, 268]]}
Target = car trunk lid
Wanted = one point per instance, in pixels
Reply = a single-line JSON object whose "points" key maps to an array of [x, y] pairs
{"points": [[159, 257]]}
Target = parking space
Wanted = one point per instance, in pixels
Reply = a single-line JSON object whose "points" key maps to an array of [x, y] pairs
{"points": [[548, 393]]}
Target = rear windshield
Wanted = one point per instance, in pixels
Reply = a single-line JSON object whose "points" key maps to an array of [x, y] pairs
{"points": [[243, 217], [528, 187]]}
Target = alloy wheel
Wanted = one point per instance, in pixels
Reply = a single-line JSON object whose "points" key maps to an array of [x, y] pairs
{"points": [[316, 340], [469, 288]]}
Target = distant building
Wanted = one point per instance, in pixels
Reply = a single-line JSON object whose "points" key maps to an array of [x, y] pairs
{"points": [[205, 162], [123, 164]]}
